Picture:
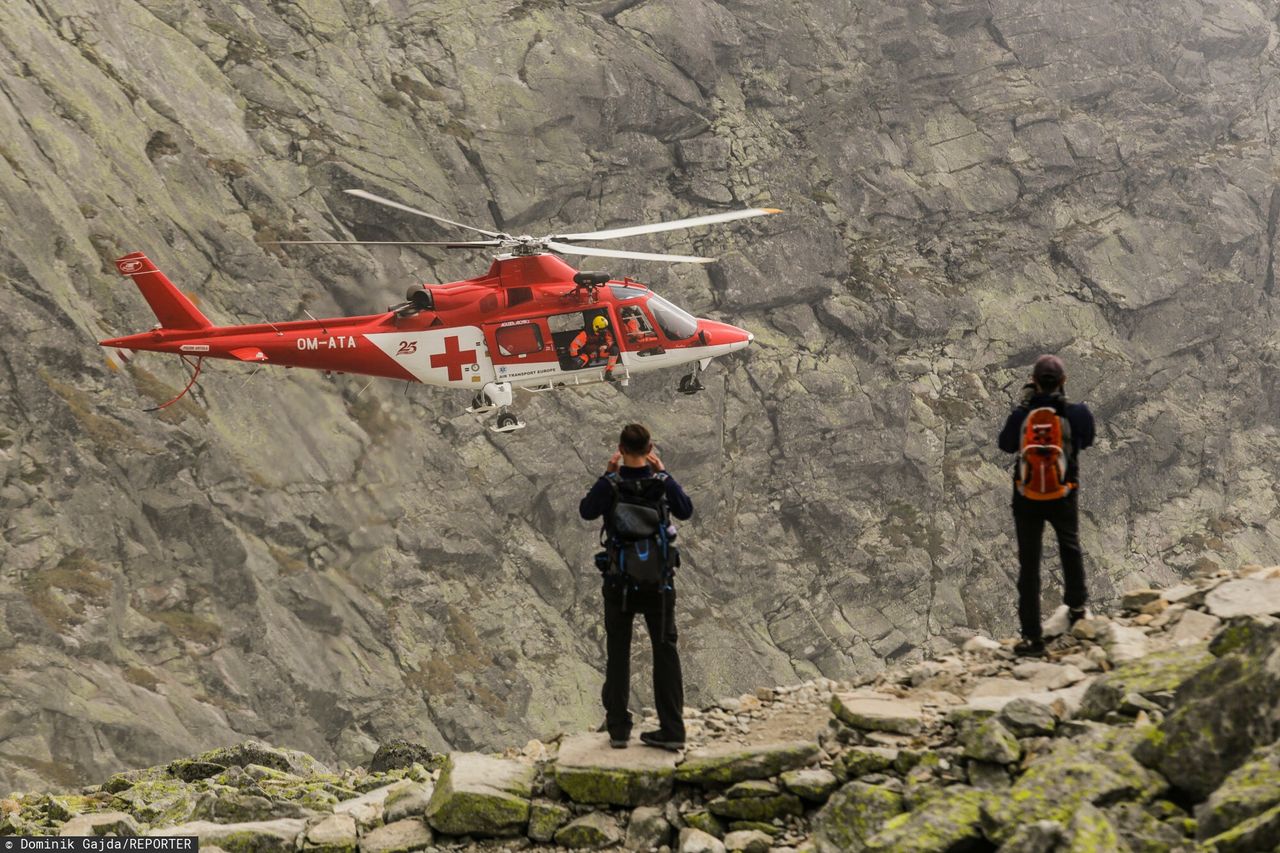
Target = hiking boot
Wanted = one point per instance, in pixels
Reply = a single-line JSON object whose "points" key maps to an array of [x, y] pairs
{"points": [[662, 741], [609, 377], [1028, 647], [1074, 615], [619, 742]]}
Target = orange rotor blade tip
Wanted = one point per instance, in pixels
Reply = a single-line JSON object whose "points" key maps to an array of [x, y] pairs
{"points": [[771, 210]]}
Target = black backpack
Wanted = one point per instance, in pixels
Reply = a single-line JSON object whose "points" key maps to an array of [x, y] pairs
{"points": [[637, 536]]}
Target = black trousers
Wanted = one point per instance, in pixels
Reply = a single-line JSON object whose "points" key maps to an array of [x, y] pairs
{"points": [[1029, 518], [659, 611]]}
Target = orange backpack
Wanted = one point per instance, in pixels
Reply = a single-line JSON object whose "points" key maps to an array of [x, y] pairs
{"points": [[1041, 474]]}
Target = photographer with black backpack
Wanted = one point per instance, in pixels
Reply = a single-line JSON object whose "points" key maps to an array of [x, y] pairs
{"points": [[637, 499]]}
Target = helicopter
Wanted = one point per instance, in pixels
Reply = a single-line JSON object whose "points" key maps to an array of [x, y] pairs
{"points": [[521, 325]]}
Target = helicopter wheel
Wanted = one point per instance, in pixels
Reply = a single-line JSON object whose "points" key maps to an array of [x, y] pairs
{"points": [[689, 384], [479, 401], [506, 420]]}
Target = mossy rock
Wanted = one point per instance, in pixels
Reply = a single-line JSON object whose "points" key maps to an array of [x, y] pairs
{"points": [[592, 831], [1097, 768], [853, 814], [1250, 790], [1090, 832], [274, 836], [726, 765], [193, 770], [157, 801], [481, 795], [1156, 673], [1260, 832], [705, 821], [990, 741], [814, 784], [861, 760], [1222, 713], [545, 818], [949, 821], [401, 755], [756, 808]]}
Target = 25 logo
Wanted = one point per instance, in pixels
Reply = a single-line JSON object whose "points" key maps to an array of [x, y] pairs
{"points": [[407, 348]]}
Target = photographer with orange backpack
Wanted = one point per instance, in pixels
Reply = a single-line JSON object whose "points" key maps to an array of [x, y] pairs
{"points": [[1047, 433]]}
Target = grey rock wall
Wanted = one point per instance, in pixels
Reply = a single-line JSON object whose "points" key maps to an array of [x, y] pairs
{"points": [[329, 566]]}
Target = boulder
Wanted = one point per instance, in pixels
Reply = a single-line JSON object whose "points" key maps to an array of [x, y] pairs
{"points": [[1044, 836], [1223, 712], [748, 841], [367, 808], [1124, 643], [948, 821], [1156, 673], [1194, 626], [813, 784], [266, 836], [726, 764], [989, 741], [481, 795], [100, 823], [1261, 832], [592, 831], [986, 776], [1251, 789], [1027, 718], [1095, 767], [399, 837], [256, 752], [706, 821], [407, 800], [545, 819], [588, 770], [696, 841], [1244, 597], [878, 713], [853, 814], [401, 754], [1090, 831], [333, 833], [764, 808], [647, 829], [861, 760]]}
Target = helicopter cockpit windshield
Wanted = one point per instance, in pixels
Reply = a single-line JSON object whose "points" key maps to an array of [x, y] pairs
{"points": [[676, 324]]}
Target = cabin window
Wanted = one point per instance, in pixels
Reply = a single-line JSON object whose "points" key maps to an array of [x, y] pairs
{"points": [[622, 292], [635, 326], [676, 324], [520, 339], [518, 295]]}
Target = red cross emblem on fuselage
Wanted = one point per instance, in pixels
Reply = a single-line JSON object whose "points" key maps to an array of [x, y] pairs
{"points": [[453, 358]]}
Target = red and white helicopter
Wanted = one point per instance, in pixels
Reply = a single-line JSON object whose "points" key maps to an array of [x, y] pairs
{"points": [[531, 322]]}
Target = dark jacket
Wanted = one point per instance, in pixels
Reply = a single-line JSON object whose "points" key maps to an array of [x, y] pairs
{"points": [[600, 499], [1077, 415]]}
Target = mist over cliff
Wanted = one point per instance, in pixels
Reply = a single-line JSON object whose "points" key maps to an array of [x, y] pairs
{"points": [[966, 185]]}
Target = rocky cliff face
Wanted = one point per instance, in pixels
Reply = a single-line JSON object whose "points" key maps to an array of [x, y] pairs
{"points": [[967, 184]]}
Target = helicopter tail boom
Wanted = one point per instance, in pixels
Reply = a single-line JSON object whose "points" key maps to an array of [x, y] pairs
{"points": [[173, 309]]}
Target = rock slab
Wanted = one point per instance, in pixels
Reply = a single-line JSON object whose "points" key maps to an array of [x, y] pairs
{"points": [[588, 770], [481, 795], [878, 714]]}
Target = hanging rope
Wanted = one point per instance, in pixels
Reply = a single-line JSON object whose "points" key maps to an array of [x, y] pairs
{"points": [[195, 374]]}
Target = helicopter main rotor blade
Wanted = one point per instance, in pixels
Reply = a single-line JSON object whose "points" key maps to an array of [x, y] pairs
{"points": [[473, 244], [368, 196], [595, 251], [633, 230]]}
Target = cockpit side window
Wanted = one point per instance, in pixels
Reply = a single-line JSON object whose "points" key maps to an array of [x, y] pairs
{"points": [[676, 324]]}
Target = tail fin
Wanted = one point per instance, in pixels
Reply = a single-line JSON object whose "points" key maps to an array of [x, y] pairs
{"points": [[172, 308]]}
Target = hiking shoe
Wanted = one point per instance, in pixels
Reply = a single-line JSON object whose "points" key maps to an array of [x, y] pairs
{"points": [[661, 741], [609, 377], [1027, 648], [619, 742], [1074, 615]]}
